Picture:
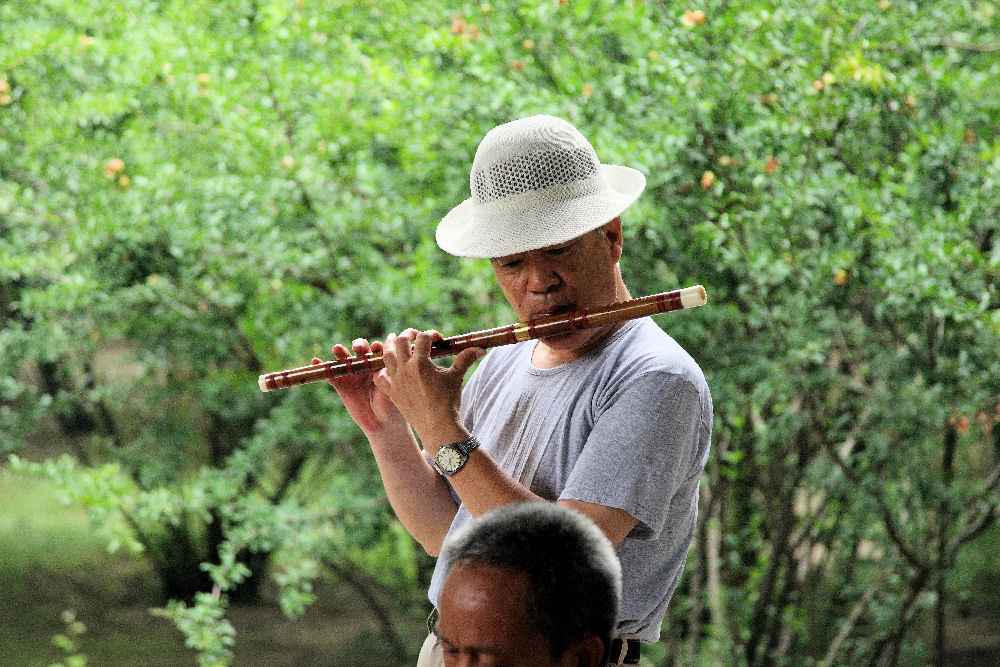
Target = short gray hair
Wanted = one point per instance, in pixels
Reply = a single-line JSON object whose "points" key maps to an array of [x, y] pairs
{"points": [[573, 572]]}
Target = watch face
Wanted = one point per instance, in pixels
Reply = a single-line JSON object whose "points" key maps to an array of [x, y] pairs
{"points": [[449, 459]]}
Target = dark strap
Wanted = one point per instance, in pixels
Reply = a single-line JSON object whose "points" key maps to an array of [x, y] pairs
{"points": [[624, 651], [432, 622]]}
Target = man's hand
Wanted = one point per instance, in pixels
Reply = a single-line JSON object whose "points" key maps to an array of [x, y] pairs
{"points": [[419, 496], [369, 406], [429, 396]]}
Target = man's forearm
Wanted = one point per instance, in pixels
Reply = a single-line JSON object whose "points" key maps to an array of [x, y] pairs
{"points": [[481, 483], [418, 495]]}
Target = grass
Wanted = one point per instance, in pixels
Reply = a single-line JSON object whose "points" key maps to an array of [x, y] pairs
{"points": [[38, 531], [52, 564]]}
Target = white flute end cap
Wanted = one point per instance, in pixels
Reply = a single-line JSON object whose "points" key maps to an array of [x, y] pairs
{"points": [[693, 296], [262, 382]]}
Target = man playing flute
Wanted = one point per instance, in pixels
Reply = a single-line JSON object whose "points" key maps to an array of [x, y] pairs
{"points": [[613, 422]]}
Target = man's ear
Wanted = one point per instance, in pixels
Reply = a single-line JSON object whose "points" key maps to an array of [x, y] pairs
{"points": [[613, 234], [613, 230], [586, 652]]}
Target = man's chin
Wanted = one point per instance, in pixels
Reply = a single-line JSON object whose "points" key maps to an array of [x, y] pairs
{"points": [[570, 340]]}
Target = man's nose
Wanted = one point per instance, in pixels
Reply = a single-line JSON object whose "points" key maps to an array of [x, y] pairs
{"points": [[541, 278]]}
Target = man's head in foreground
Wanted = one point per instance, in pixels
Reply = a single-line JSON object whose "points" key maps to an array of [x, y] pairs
{"points": [[529, 584]]}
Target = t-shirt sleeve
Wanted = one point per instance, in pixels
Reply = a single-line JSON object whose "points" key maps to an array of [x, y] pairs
{"points": [[644, 445]]}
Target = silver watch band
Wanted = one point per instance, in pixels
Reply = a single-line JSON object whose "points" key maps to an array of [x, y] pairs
{"points": [[465, 446]]}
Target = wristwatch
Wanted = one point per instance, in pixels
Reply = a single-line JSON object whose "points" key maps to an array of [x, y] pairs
{"points": [[450, 458]]}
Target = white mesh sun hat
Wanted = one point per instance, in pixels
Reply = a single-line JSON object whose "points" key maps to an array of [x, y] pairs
{"points": [[535, 182]]}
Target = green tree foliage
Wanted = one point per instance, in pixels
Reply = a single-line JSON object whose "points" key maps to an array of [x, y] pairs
{"points": [[195, 193]]}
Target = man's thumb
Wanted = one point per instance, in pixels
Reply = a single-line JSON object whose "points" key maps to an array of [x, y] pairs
{"points": [[466, 358]]}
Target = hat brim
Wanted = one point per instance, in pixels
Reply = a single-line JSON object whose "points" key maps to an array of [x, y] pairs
{"points": [[464, 233]]}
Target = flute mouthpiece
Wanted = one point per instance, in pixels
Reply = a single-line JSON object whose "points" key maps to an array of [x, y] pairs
{"points": [[693, 296]]}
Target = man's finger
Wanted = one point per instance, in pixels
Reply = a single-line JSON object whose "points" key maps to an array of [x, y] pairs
{"points": [[382, 381], [465, 359], [402, 344], [422, 345], [360, 346], [389, 353]]}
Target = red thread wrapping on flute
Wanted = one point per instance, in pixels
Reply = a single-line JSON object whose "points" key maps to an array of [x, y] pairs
{"points": [[583, 318], [284, 376], [572, 321], [468, 340], [661, 303], [348, 367], [531, 329], [367, 360], [675, 300], [511, 338], [269, 381], [329, 370]]}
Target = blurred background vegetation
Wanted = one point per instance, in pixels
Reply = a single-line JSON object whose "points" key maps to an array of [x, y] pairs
{"points": [[194, 193]]}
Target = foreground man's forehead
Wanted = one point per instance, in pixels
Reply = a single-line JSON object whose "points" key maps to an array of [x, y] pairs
{"points": [[483, 612]]}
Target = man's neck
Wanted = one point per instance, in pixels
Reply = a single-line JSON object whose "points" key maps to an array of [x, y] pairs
{"points": [[551, 356], [545, 356]]}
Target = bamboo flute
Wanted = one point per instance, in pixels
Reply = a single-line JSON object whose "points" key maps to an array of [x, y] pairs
{"points": [[551, 325]]}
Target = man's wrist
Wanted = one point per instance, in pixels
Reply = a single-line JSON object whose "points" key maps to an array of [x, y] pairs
{"points": [[389, 434], [437, 439]]}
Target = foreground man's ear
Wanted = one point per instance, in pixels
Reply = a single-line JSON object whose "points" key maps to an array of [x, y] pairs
{"points": [[586, 652]]}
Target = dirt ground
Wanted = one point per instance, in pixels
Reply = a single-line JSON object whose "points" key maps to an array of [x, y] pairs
{"points": [[973, 641], [337, 630]]}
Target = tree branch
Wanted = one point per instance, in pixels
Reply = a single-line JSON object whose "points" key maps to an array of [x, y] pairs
{"points": [[364, 589], [974, 527], [23, 177], [965, 46], [887, 519], [847, 626], [907, 614]]}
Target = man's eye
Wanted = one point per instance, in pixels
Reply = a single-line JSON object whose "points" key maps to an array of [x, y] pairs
{"points": [[561, 250], [513, 264]]}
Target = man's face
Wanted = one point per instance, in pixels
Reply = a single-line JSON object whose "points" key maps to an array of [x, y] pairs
{"points": [[561, 278], [484, 620]]}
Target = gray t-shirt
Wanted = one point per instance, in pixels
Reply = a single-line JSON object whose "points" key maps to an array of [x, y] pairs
{"points": [[627, 426]]}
